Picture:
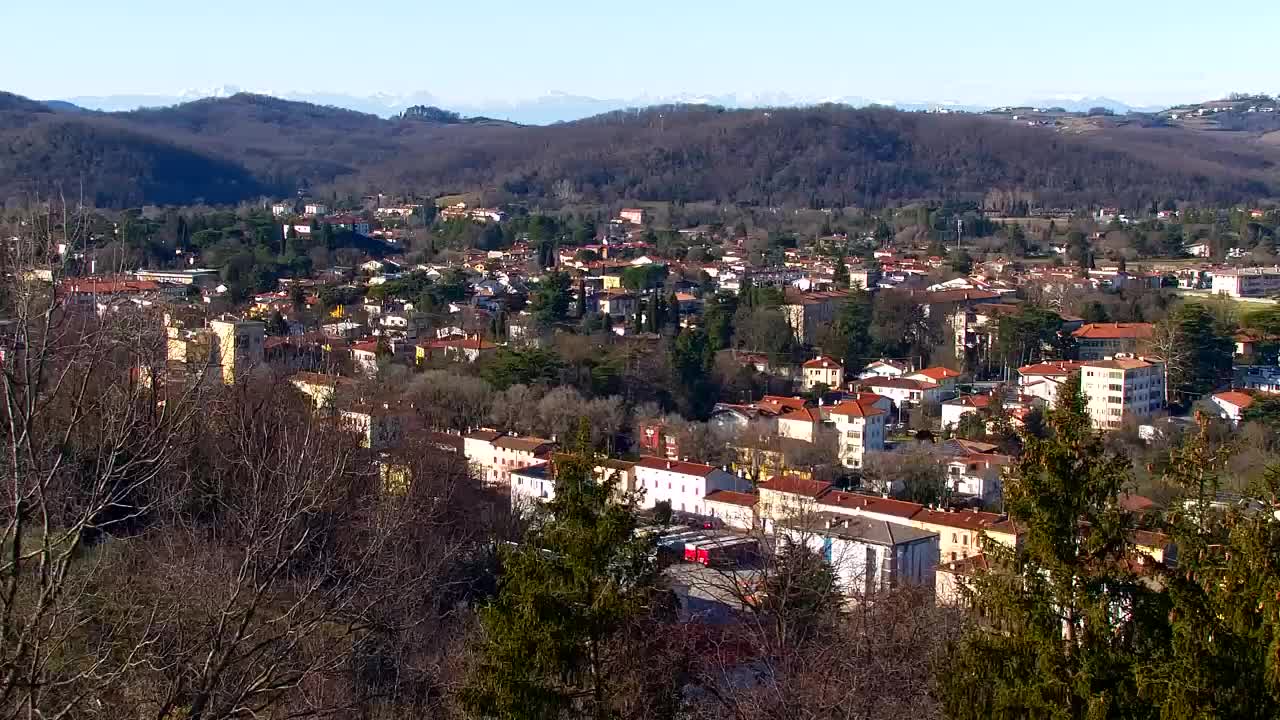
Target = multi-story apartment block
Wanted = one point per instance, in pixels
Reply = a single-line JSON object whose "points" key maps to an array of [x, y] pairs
{"points": [[859, 428], [1122, 387]]}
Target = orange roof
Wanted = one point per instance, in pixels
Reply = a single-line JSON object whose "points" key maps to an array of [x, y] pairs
{"points": [[938, 374], [967, 519], [823, 363], [795, 486], [1050, 368], [870, 503], [1120, 364], [732, 498], [854, 408], [1114, 331], [1234, 397]]}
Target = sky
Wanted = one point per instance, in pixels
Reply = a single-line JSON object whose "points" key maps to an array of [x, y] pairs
{"points": [[1142, 52]]}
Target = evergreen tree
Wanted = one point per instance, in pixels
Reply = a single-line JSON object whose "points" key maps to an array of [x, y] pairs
{"points": [[673, 312], [567, 595], [1225, 596], [840, 275], [551, 299], [718, 317], [1072, 622]]}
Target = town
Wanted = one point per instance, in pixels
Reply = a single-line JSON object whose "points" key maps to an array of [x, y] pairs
{"points": [[867, 385]]}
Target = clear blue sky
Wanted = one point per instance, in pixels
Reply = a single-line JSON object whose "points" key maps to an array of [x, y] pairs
{"points": [[984, 51]]}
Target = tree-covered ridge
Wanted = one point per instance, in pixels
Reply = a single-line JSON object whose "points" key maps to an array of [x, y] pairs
{"points": [[828, 156]]}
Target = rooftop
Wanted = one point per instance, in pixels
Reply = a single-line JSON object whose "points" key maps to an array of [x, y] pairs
{"points": [[1114, 331], [793, 485]]}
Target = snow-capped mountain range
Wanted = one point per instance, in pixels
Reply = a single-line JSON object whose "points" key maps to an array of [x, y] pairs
{"points": [[560, 106]]}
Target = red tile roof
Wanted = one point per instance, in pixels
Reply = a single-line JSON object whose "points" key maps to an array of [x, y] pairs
{"points": [[854, 408], [1050, 368], [870, 503], [823, 363], [899, 383], [938, 374], [676, 466], [732, 498], [1114, 331], [793, 485], [1234, 397], [965, 519]]}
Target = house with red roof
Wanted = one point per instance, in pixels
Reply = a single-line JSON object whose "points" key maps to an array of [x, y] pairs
{"points": [[822, 370], [860, 428], [1231, 404], [945, 378], [1043, 380], [685, 485]]}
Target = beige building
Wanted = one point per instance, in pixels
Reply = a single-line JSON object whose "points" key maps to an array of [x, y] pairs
{"points": [[823, 370], [809, 313], [226, 347], [1120, 388], [495, 455], [859, 427]]}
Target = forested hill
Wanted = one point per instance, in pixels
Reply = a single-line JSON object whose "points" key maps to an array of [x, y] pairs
{"points": [[225, 150]]}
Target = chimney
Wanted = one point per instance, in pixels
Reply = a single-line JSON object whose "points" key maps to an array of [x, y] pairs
{"points": [[668, 464]]}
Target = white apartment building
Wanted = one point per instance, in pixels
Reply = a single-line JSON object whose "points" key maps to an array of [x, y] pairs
{"points": [[683, 484], [1043, 380], [1247, 282], [859, 428], [1120, 388], [536, 483], [869, 555], [906, 392]]}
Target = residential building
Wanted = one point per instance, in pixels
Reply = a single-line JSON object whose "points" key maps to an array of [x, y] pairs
{"points": [[496, 456], [822, 370], [735, 509], [960, 531], [536, 483], [809, 313], [1043, 380], [1122, 387], [364, 357], [802, 424], [464, 349], [787, 497], [237, 346], [1263, 378], [379, 427], [884, 368], [943, 377], [1247, 282], [1231, 404], [904, 392], [859, 428], [684, 485], [867, 555], [322, 389], [977, 475], [314, 209], [618, 304], [1098, 341]]}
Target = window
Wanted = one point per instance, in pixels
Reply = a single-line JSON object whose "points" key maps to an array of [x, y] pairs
{"points": [[953, 539], [965, 540]]}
